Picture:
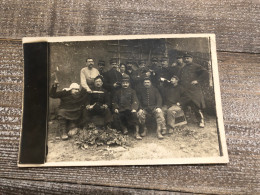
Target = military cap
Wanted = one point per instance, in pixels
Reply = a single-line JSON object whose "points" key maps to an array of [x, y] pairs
{"points": [[125, 77], [187, 55], [155, 59], [142, 61], [179, 57], [99, 77], [164, 58], [113, 60], [147, 78], [101, 63]]}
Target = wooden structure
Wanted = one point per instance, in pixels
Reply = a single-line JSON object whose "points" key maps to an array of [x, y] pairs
{"points": [[236, 25]]}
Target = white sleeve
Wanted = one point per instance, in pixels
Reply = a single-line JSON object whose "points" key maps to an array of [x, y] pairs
{"points": [[83, 80]]}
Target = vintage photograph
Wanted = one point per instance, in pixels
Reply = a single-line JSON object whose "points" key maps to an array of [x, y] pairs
{"points": [[134, 100]]}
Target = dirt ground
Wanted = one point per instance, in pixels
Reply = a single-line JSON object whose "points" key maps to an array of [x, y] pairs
{"points": [[186, 141]]}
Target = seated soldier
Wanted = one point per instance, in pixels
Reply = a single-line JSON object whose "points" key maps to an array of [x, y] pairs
{"points": [[72, 101], [125, 105], [98, 103], [172, 100], [150, 103]]}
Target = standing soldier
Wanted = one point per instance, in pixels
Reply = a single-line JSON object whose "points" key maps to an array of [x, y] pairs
{"points": [[112, 78], [125, 105], [174, 70], [191, 75], [150, 103], [88, 74], [162, 73], [140, 74], [101, 67]]}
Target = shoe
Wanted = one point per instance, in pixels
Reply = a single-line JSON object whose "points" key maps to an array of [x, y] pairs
{"points": [[202, 124], [138, 137], [125, 131], [144, 132], [73, 132], [159, 135], [64, 136], [170, 130], [164, 131]]}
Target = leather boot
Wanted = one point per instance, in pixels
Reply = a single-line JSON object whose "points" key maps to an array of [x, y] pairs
{"points": [[159, 135], [164, 131], [125, 131], [137, 135], [170, 130], [144, 131], [63, 129]]}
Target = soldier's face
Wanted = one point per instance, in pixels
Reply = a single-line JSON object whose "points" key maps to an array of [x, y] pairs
{"points": [[154, 63], [98, 83], [142, 65], [188, 60], [129, 66], [179, 61], [74, 91], [147, 83], [125, 84], [101, 67], [122, 68], [165, 63], [114, 65], [90, 63], [174, 81]]}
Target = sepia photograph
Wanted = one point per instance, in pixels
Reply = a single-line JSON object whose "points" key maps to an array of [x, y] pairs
{"points": [[133, 100]]}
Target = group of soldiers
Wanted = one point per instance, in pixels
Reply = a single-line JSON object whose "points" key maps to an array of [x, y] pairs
{"points": [[124, 96]]}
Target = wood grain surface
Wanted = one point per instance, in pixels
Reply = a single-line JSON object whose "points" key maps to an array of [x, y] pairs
{"points": [[236, 25]]}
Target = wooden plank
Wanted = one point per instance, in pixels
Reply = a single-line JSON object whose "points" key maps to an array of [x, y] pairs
{"points": [[11, 186], [239, 79], [235, 23]]}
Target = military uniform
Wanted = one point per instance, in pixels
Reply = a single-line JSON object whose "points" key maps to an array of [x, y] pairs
{"points": [[125, 100], [193, 93], [151, 103], [98, 98], [172, 95], [110, 77]]}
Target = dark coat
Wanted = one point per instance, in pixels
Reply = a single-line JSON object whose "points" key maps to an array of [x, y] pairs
{"points": [[98, 98], [110, 77], [172, 94], [138, 77], [189, 73], [149, 98], [71, 106], [125, 99]]}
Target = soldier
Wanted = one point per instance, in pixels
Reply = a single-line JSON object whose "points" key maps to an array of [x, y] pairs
{"points": [[191, 75], [112, 78], [125, 105], [150, 103], [98, 103], [162, 72], [72, 102], [174, 70], [88, 74], [140, 74], [172, 101], [101, 67]]}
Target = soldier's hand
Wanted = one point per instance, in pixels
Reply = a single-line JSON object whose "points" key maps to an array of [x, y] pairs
{"points": [[88, 107], [89, 91], [148, 74], [133, 110], [105, 106], [116, 111], [194, 82], [115, 85], [178, 104]]}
